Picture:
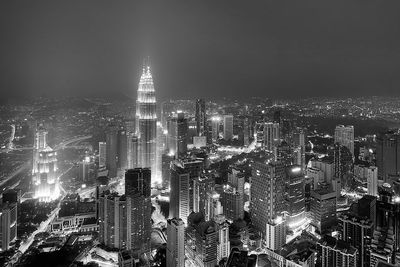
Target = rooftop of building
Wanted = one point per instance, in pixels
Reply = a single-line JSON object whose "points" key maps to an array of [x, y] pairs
{"points": [[239, 258], [338, 245], [362, 221]]}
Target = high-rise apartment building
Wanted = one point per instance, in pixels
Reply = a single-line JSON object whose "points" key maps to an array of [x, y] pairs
{"points": [[388, 155], [343, 161], [344, 135], [275, 236], [357, 231], [224, 244], [113, 220], [267, 194], [179, 194], [336, 253], [175, 243], [228, 127], [372, 181], [8, 225], [146, 125], [138, 193]]}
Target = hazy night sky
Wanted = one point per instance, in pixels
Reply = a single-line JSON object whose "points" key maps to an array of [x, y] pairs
{"points": [[201, 48]]}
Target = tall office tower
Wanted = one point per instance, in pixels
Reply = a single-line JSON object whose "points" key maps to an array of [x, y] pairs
{"points": [[259, 134], [267, 194], [112, 150], [213, 205], [232, 203], [388, 155], [132, 151], [336, 253], [192, 132], [138, 193], [86, 169], [122, 149], [295, 196], [44, 167], [8, 225], [201, 185], [224, 245], [201, 117], [357, 231], [344, 135], [146, 124], [228, 127], [246, 132], [175, 243], [177, 135], [299, 148], [372, 181], [179, 195], [113, 220], [236, 179], [386, 241], [275, 236], [343, 161], [102, 154], [215, 123], [271, 135], [284, 154], [323, 209], [195, 168], [167, 107], [201, 241]]}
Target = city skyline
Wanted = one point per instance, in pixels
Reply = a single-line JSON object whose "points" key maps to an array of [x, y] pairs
{"points": [[261, 134]]}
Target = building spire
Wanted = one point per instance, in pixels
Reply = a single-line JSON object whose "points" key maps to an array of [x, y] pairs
{"points": [[146, 65]]}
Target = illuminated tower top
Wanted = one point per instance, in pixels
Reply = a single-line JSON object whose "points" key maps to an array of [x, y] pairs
{"points": [[146, 100], [41, 138]]}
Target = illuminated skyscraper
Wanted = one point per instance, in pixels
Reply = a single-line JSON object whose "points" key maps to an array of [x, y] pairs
{"points": [[179, 196], [344, 135], [8, 225], [228, 127], [176, 243], [388, 155], [267, 194], [177, 135], [146, 124], [201, 117], [138, 193], [271, 135], [102, 154], [44, 169], [295, 196]]}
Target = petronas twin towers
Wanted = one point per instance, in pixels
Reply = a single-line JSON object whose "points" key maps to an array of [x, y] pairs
{"points": [[146, 125]]}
